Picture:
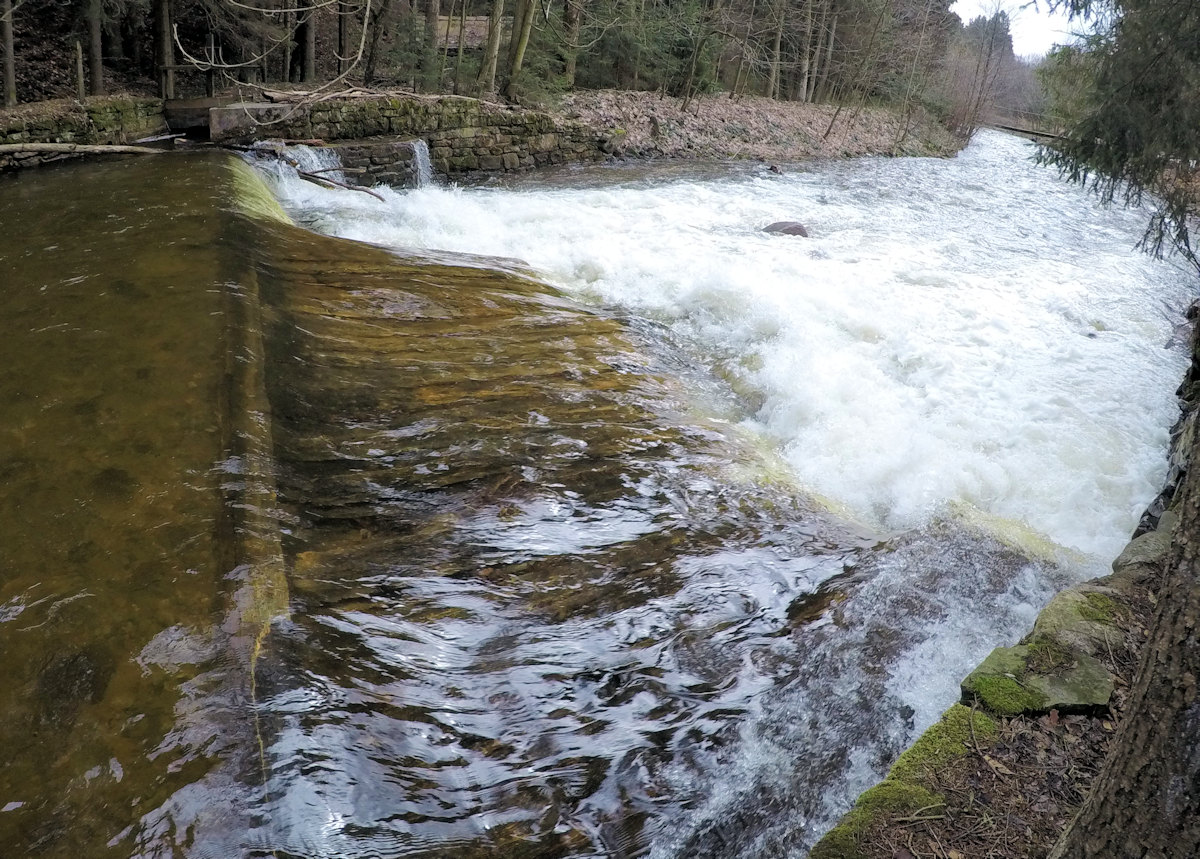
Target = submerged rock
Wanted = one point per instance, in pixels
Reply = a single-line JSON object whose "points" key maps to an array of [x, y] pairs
{"points": [[787, 228]]}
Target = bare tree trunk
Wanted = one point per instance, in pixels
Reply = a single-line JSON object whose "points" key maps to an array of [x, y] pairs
{"points": [[377, 24], [573, 21], [806, 49], [289, 26], [487, 72], [918, 56], [1146, 801], [445, 52], [810, 83], [164, 47], [343, 48], [743, 69], [10, 62], [776, 46], [95, 25], [308, 63], [868, 59], [518, 23], [522, 44], [462, 45], [430, 71], [824, 90]]}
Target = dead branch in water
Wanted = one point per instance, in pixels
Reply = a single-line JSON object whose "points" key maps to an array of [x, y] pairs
{"points": [[325, 180]]}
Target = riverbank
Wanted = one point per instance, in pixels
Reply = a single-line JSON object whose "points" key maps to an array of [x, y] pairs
{"points": [[468, 136], [718, 126]]}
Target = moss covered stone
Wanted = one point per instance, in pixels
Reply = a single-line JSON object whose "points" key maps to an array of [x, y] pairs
{"points": [[906, 788], [1005, 696], [1080, 619], [1098, 607], [1047, 653], [1037, 677]]}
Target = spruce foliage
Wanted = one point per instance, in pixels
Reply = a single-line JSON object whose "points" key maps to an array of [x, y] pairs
{"points": [[1136, 139]]}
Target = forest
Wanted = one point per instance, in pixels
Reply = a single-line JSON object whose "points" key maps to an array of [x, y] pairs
{"points": [[910, 54]]}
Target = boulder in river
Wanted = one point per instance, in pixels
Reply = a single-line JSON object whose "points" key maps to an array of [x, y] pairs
{"points": [[787, 228]]}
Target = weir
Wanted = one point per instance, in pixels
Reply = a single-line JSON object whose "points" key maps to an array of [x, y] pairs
{"points": [[315, 547]]}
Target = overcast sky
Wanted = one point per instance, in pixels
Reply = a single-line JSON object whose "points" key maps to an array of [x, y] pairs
{"points": [[1034, 31]]}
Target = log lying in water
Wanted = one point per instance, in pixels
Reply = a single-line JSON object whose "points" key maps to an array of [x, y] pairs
{"points": [[77, 148]]}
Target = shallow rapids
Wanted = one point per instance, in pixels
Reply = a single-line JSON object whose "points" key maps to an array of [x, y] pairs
{"points": [[967, 356], [571, 516], [969, 329]]}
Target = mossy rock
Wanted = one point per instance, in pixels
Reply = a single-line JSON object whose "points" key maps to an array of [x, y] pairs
{"points": [[996, 684], [1038, 677], [1150, 549], [1085, 619]]}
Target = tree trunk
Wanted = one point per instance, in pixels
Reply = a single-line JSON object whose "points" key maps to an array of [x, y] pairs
{"points": [[522, 44], [164, 47], [308, 63], [573, 21], [487, 72], [806, 49], [95, 28], [773, 80], [289, 26], [377, 25], [1146, 801], [823, 92], [518, 23], [80, 89], [10, 64], [824, 46], [462, 46], [431, 72], [444, 55], [343, 49]]}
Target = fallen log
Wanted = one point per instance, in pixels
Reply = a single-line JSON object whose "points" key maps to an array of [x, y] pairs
{"points": [[77, 149]]}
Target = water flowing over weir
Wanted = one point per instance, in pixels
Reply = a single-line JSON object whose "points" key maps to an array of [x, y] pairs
{"points": [[318, 549]]}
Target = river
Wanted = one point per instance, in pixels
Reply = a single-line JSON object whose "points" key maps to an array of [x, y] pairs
{"points": [[565, 515]]}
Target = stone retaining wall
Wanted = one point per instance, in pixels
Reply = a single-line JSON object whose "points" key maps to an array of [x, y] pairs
{"points": [[464, 135], [102, 120], [379, 162]]}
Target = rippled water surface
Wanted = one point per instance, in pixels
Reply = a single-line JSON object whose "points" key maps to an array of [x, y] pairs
{"points": [[581, 518]]}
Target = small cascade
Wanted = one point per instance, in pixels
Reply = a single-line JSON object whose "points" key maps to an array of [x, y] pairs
{"points": [[422, 166], [310, 159], [285, 161]]}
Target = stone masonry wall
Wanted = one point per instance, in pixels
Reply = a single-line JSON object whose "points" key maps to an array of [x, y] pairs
{"points": [[378, 162], [104, 120], [464, 135]]}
